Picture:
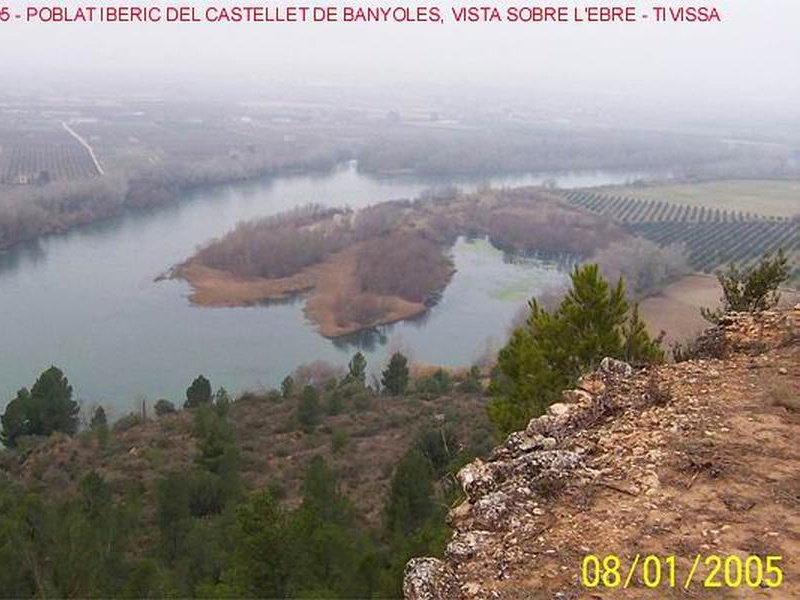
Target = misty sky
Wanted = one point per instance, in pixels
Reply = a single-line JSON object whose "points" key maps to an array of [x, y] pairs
{"points": [[753, 55]]}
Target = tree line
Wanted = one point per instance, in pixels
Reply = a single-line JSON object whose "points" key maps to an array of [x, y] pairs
{"points": [[200, 532]]}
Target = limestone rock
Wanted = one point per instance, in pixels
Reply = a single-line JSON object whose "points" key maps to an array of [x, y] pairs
{"points": [[615, 367], [558, 409], [490, 511], [458, 514], [464, 545], [592, 383], [558, 464], [476, 479], [429, 579], [519, 442], [539, 426], [580, 396]]}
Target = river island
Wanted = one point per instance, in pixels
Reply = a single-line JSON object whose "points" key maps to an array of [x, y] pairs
{"points": [[384, 263]]}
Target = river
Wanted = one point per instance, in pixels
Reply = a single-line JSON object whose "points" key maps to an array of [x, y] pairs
{"points": [[87, 302]]}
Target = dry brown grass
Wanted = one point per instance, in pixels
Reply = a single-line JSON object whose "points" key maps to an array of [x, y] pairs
{"points": [[213, 287]]}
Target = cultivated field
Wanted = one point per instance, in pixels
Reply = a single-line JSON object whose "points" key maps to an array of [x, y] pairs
{"points": [[712, 237], [39, 156], [769, 198]]}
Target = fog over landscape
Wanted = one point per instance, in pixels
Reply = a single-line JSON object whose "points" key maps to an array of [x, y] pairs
{"points": [[748, 60]]}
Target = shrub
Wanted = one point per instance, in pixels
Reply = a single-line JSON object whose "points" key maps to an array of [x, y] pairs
{"points": [[656, 393], [752, 289], [362, 401], [316, 373], [199, 392], [164, 407], [335, 403], [395, 376], [780, 394], [206, 494], [339, 441], [287, 386], [472, 382], [438, 383], [127, 422], [308, 409], [98, 418], [439, 446]]}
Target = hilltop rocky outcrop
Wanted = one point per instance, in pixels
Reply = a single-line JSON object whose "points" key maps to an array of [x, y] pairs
{"points": [[695, 457]]}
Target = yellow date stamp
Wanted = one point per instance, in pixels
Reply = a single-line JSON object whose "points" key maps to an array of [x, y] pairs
{"points": [[708, 571]]}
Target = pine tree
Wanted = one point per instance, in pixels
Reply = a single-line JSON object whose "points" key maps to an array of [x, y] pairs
{"points": [[98, 418], [287, 386], [358, 368], [639, 347], [411, 498], [327, 542], [308, 409], [222, 401], [53, 406], [48, 407], [260, 565], [553, 349], [199, 392], [15, 419], [395, 376]]}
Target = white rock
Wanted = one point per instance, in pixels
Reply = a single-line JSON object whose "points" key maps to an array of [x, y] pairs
{"points": [[558, 409]]}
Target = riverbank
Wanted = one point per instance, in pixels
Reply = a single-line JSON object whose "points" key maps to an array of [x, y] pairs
{"points": [[30, 212], [676, 309]]}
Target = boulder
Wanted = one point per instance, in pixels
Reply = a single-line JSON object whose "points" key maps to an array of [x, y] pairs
{"points": [[592, 384], [490, 511], [464, 545], [476, 479], [615, 367], [558, 409], [519, 442], [577, 396], [429, 579]]}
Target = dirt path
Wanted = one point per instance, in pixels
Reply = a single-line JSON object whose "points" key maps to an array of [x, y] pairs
{"points": [[82, 141]]}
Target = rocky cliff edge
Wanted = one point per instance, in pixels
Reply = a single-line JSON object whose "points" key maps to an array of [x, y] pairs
{"points": [[698, 457]]}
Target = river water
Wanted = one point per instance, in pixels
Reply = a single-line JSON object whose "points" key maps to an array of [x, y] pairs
{"points": [[87, 302]]}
